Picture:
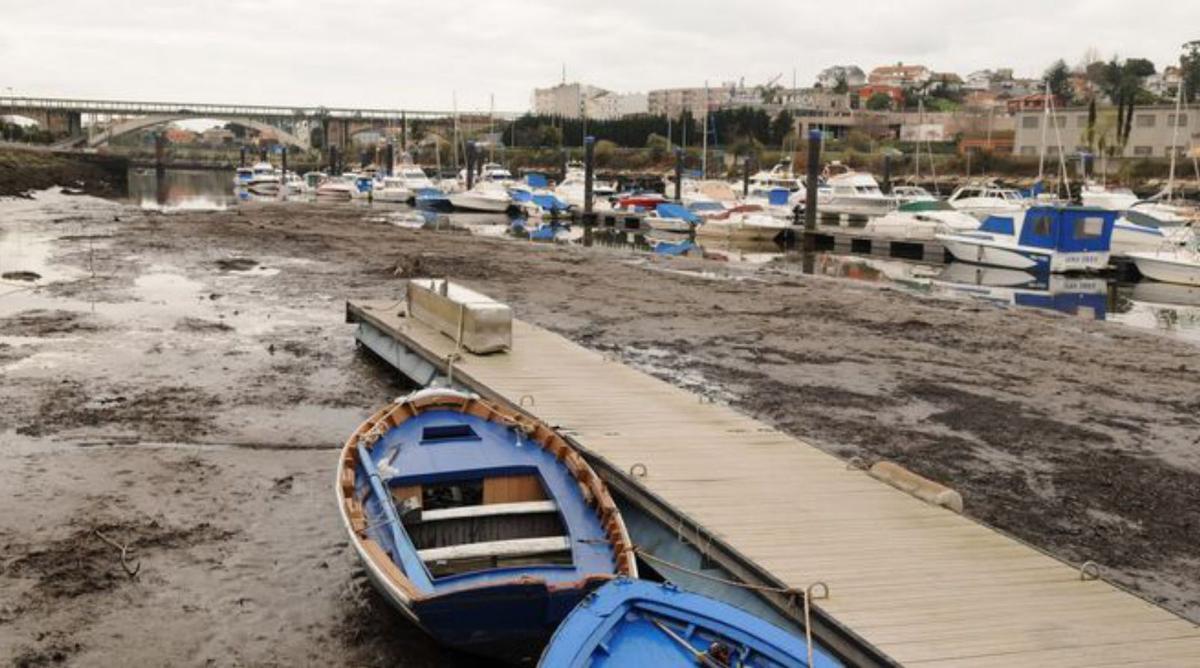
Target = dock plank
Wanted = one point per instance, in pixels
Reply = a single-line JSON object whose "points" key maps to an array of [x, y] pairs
{"points": [[924, 585]]}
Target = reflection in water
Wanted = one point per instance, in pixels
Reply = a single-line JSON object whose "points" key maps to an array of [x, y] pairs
{"points": [[182, 189]]}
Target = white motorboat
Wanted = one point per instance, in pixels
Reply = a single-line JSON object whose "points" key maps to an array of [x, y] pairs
{"points": [[336, 187], [853, 193], [391, 189], [412, 177], [1179, 265], [492, 196], [921, 221], [779, 176], [986, 200], [1044, 239], [910, 194], [1105, 197], [264, 179]]}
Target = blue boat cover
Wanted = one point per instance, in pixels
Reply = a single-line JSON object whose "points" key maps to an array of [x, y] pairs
{"points": [[639, 623], [997, 225], [1068, 229], [536, 180], [550, 202], [519, 195], [672, 210], [778, 196], [430, 194], [667, 248]]}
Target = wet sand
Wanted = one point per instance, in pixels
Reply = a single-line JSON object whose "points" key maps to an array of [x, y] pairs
{"points": [[178, 383]]}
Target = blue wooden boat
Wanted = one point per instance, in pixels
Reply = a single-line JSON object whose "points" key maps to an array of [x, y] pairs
{"points": [[479, 523], [639, 623]]}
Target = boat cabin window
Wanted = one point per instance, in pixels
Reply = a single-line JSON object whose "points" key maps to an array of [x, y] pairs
{"points": [[1091, 227], [1042, 224], [966, 193], [449, 432]]}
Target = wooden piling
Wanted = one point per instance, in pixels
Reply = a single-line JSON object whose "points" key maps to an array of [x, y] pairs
{"points": [[589, 170], [813, 174]]}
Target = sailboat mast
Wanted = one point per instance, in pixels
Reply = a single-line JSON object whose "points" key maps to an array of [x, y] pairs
{"points": [[704, 154], [492, 127], [454, 132], [1170, 189], [1045, 126]]}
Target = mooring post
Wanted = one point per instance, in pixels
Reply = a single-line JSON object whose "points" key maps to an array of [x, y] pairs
{"points": [[589, 171], [810, 187], [389, 158], [678, 174], [470, 165], [283, 161], [242, 156], [562, 164], [160, 153], [262, 154], [887, 174], [746, 177], [333, 158]]}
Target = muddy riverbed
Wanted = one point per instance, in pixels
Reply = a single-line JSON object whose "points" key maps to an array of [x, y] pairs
{"points": [[177, 383]]}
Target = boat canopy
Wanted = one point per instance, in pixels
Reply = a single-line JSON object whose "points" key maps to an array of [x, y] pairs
{"points": [[536, 180], [1068, 229], [926, 205]]}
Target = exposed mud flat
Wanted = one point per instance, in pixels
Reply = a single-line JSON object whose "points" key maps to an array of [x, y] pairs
{"points": [[161, 388]]}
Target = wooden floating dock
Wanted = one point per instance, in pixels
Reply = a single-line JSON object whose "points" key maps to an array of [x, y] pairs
{"points": [[909, 583]]}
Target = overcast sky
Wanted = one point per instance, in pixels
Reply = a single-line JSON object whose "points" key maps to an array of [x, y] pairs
{"points": [[401, 54]]}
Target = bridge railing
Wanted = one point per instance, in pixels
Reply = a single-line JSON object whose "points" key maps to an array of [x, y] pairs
{"points": [[202, 110]]}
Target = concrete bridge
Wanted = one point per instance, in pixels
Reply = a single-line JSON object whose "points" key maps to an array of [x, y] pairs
{"points": [[292, 125]]}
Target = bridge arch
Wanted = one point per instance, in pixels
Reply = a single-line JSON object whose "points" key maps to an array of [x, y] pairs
{"points": [[130, 125]]}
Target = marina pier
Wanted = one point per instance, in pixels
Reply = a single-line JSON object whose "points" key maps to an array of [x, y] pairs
{"points": [[906, 582]]}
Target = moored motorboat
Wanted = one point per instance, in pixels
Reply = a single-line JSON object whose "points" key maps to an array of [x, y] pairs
{"points": [[1045, 238], [490, 196], [480, 524], [639, 623], [921, 220], [853, 193], [264, 179], [987, 199], [391, 189], [335, 188], [1172, 265]]}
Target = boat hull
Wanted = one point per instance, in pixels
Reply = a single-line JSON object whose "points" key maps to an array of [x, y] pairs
{"points": [[1167, 269], [512, 622], [469, 202], [1026, 258]]}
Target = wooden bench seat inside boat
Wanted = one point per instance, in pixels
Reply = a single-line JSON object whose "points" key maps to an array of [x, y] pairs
{"points": [[500, 549], [504, 520]]}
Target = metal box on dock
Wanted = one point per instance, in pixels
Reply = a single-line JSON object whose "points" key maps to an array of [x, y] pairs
{"points": [[477, 322]]}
